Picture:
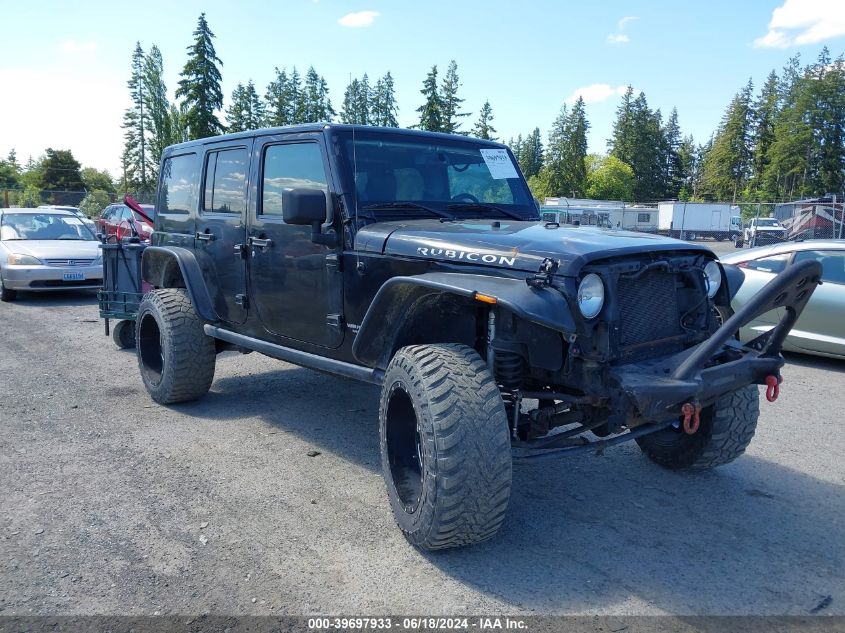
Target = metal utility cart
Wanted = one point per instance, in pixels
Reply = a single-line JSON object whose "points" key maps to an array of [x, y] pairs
{"points": [[123, 287]]}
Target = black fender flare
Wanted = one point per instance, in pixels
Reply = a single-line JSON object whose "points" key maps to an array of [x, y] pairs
{"points": [[386, 315], [159, 265]]}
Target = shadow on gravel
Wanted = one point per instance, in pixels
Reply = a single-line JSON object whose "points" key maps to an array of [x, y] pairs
{"points": [[733, 540], [64, 298], [815, 362], [303, 402], [585, 533]]}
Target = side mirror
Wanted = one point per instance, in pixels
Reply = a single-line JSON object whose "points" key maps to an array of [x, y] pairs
{"points": [[305, 207]]}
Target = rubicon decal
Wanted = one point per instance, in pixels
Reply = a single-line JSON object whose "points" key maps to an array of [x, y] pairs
{"points": [[469, 256]]}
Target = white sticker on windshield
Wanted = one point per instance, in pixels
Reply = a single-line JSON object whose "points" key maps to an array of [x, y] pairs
{"points": [[499, 163]]}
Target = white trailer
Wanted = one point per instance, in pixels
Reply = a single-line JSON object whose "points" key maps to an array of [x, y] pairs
{"points": [[695, 220], [607, 213]]}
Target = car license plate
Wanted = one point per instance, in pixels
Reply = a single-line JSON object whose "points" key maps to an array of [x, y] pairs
{"points": [[73, 276]]}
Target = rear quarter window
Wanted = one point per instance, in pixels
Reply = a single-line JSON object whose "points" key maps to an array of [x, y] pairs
{"points": [[177, 185]]}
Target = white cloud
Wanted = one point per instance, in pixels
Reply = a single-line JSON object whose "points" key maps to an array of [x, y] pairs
{"points": [[72, 46], [800, 22], [358, 19], [595, 93], [619, 37], [624, 21]]}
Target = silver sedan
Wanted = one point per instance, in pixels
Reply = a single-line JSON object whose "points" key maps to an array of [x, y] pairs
{"points": [[821, 328], [43, 249]]}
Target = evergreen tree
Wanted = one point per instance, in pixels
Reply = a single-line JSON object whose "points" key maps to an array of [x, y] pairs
{"points": [[352, 101], [516, 147], [673, 175], [323, 109], [727, 165], [246, 111], [296, 98], [277, 105], [200, 84], [531, 154], [450, 102], [484, 128], [565, 170], [161, 133], [431, 112], [136, 125], [639, 140], [12, 159], [383, 108], [764, 115], [687, 168]]}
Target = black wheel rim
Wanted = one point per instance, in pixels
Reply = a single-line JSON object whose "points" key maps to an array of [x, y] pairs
{"points": [[150, 349], [404, 448]]}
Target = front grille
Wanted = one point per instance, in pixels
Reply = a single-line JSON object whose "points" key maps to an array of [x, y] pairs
{"points": [[648, 309], [69, 262]]}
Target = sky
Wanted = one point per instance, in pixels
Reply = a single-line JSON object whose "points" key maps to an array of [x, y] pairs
{"points": [[64, 65]]}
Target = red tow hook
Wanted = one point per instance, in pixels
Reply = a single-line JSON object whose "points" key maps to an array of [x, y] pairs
{"points": [[692, 417], [773, 387]]}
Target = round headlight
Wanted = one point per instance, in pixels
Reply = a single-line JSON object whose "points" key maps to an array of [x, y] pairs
{"points": [[590, 295], [712, 278]]}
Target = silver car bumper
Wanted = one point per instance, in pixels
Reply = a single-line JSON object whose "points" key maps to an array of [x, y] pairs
{"points": [[44, 278]]}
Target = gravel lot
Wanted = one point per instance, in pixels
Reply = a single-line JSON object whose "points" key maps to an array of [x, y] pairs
{"points": [[112, 504]]}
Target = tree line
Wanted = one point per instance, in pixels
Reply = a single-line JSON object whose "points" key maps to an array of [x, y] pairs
{"points": [[786, 141]]}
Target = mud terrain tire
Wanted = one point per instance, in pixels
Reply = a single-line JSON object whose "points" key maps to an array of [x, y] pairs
{"points": [[175, 356], [445, 446], [726, 429]]}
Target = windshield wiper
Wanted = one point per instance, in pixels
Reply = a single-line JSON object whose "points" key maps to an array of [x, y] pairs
{"points": [[408, 205], [483, 206]]}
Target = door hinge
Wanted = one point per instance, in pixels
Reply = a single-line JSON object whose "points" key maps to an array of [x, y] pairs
{"points": [[243, 301], [336, 321], [240, 251]]}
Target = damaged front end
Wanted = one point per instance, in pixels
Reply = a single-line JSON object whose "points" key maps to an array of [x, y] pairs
{"points": [[641, 369]]}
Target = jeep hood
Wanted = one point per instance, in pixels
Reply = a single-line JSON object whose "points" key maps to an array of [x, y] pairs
{"points": [[512, 244]]}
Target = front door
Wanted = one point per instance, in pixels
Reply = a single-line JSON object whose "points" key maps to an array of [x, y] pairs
{"points": [[221, 231], [295, 284]]}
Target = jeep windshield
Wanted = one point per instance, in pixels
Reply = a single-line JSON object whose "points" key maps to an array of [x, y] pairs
{"points": [[414, 176]]}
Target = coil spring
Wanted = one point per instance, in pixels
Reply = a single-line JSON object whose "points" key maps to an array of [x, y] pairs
{"points": [[509, 369]]}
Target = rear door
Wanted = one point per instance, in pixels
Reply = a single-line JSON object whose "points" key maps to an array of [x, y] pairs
{"points": [[295, 284], [221, 228]]}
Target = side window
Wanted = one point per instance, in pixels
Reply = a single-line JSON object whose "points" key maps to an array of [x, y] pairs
{"points": [[177, 193], [292, 166], [833, 264], [225, 176], [773, 264]]}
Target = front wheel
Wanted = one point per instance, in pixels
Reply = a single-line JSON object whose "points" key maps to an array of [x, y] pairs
{"points": [[445, 446], [175, 356], [7, 294], [726, 429]]}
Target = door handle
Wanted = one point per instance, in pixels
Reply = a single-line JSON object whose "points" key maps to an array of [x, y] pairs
{"points": [[204, 237], [261, 243]]}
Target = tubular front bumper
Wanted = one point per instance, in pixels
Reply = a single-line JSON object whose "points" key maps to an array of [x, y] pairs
{"points": [[657, 389]]}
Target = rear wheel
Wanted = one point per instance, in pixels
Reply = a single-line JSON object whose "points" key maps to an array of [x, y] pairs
{"points": [[175, 356], [726, 429], [445, 446]]}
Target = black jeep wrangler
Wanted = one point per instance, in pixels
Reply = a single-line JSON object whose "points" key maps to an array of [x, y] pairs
{"points": [[417, 261]]}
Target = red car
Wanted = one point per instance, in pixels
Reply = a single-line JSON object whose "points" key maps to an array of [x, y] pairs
{"points": [[118, 220]]}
